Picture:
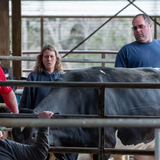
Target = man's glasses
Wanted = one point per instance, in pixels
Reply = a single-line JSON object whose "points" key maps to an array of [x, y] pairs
{"points": [[136, 27]]}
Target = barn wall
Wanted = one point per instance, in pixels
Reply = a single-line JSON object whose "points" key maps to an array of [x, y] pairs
{"points": [[4, 32]]}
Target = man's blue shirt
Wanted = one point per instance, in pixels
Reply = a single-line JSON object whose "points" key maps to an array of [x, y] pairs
{"points": [[139, 55]]}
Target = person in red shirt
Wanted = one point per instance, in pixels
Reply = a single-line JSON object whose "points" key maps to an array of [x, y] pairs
{"points": [[8, 95]]}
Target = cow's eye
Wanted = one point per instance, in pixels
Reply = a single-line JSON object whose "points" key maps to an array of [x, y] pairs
{"points": [[34, 136]]}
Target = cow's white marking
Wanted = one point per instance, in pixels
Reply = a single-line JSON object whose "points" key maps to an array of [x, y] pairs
{"points": [[102, 71], [6, 75], [158, 69], [22, 128], [119, 145]]}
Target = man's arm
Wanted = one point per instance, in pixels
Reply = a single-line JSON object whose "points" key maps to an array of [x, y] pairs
{"points": [[37, 151], [19, 151], [11, 101]]}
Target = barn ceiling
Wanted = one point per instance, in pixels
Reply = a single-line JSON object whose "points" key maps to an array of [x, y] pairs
{"points": [[90, 8]]}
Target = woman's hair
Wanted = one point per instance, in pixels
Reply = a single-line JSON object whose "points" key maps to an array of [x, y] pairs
{"points": [[39, 64]]}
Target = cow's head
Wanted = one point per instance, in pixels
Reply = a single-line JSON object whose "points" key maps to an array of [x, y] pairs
{"points": [[28, 135], [25, 135]]}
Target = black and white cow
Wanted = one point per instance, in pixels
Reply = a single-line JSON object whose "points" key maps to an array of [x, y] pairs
{"points": [[144, 102]]}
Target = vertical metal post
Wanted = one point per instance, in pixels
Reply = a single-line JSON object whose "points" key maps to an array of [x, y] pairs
{"points": [[155, 28], [157, 144], [101, 155], [103, 57], [42, 38]]}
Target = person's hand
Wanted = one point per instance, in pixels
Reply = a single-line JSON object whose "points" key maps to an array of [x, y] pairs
{"points": [[45, 114]]}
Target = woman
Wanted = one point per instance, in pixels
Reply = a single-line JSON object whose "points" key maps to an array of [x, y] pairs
{"points": [[48, 68]]}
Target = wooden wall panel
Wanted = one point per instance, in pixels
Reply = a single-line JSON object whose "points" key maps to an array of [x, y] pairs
{"points": [[4, 31], [16, 36]]}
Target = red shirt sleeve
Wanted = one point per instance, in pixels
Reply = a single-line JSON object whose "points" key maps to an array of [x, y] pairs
{"points": [[5, 89]]}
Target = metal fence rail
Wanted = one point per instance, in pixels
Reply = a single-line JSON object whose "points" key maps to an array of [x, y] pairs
{"points": [[20, 58], [74, 84], [100, 122], [31, 56], [96, 151], [89, 123]]}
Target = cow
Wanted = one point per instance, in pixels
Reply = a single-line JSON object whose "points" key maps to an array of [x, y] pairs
{"points": [[85, 101]]}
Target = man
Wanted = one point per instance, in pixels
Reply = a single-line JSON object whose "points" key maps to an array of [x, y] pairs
{"points": [[10, 150], [8, 95], [145, 51]]}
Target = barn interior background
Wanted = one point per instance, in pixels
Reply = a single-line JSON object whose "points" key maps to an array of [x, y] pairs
{"points": [[87, 31], [81, 29]]}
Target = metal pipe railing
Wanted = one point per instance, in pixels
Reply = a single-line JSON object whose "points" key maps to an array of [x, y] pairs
{"points": [[89, 123], [20, 58], [96, 151], [73, 84], [157, 143], [86, 122], [75, 52]]}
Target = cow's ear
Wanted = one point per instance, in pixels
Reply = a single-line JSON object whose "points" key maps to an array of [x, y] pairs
{"points": [[16, 133], [26, 110]]}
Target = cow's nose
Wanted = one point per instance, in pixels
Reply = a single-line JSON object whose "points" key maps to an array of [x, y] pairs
{"points": [[32, 139], [34, 136]]}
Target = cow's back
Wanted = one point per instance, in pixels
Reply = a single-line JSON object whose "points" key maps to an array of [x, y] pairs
{"points": [[118, 101]]}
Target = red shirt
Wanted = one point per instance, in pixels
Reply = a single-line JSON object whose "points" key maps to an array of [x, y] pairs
{"points": [[5, 89]]}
